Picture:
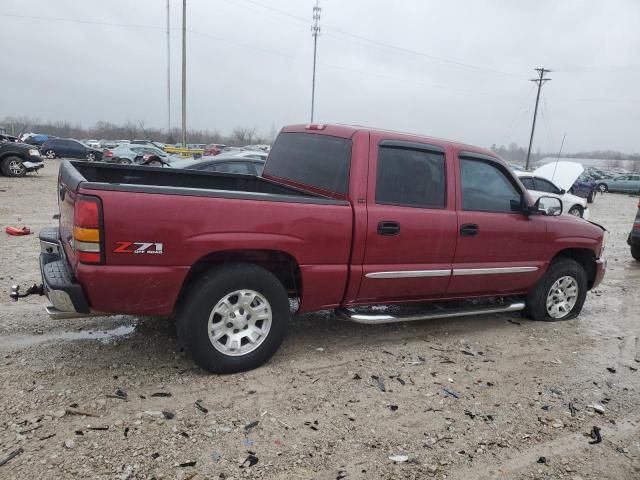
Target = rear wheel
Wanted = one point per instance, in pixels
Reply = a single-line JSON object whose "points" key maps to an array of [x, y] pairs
{"points": [[592, 196], [635, 252], [234, 319], [50, 153], [13, 167], [125, 161], [91, 157], [576, 211], [560, 294], [603, 187]]}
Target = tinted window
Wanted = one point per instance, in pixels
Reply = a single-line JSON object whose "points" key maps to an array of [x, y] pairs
{"points": [[527, 182], [543, 185], [411, 178], [320, 161], [486, 188]]}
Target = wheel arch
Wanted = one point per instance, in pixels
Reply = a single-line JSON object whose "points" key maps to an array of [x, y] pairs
{"points": [[584, 256], [283, 265]]}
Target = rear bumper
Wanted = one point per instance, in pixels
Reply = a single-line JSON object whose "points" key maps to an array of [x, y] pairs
{"points": [[634, 239], [601, 268], [63, 292]]}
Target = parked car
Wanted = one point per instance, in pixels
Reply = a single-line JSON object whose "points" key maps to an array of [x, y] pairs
{"points": [[93, 143], [36, 138], [213, 149], [16, 159], [584, 187], [226, 253], [623, 183], [131, 153], [539, 186], [634, 236], [223, 163], [256, 155], [7, 138], [70, 148], [148, 142]]}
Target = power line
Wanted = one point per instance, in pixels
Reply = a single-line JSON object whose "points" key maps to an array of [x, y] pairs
{"points": [[88, 22], [541, 80]]}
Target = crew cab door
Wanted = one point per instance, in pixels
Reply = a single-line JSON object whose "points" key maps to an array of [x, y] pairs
{"points": [[411, 222], [499, 248]]}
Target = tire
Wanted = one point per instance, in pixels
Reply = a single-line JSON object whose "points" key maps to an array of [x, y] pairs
{"points": [[216, 299], [91, 157], [124, 161], [592, 196], [602, 187], [50, 154], [635, 252], [12, 167], [536, 301], [576, 211]]}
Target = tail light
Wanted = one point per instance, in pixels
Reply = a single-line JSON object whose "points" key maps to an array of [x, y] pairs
{"points": [[107, 153], [87, 229]]}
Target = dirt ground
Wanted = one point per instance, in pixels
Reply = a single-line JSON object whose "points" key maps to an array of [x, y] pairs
{"points": [[493, 396]]}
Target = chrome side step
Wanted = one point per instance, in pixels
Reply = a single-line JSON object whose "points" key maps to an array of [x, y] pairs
{"points": [[56, 314], [371, 319]]}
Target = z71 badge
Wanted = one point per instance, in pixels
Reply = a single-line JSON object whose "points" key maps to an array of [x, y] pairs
{"points": [[138, 247]]}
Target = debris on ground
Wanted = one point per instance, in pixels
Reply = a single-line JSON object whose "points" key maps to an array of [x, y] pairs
{"points": [[451, 393], [596, 435], [250, 461], [251, 425], [161, 394], [399, 458], [11, 455], [17, 232], [597, 408], [380, 381], [199, 406]]}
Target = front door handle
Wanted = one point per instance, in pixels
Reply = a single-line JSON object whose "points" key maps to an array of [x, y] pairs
{"points": [[469, 230], [388, 228]]}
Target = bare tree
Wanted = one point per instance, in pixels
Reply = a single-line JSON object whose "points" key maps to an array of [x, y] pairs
{"points": [[242, 135]]}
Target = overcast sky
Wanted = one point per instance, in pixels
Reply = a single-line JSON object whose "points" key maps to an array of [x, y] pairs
{"points": [[457, 69]]}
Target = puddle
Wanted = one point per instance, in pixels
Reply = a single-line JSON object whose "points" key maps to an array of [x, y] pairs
{"points": [[101, 335]]}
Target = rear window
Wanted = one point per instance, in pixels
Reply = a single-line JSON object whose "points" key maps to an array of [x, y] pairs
{"points": [[320, 161]]}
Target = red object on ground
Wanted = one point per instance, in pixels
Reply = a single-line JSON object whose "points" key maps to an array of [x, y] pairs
{"points": [[18, 231]]}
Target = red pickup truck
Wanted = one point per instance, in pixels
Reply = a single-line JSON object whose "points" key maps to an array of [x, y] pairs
{"points": [[342, 218]]}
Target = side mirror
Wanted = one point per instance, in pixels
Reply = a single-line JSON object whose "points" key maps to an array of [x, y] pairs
{"points": [[550, 206], [563, 191]]}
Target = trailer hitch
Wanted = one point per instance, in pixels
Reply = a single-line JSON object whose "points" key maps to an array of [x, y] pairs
{"points": [[33, 290]]}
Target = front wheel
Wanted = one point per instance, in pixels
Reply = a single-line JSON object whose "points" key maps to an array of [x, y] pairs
{"points": [[50, 154], [560, 294], [635, 252], [13, 167], [603, 187], [592, 196], [576, 211], [91, 157], [124, 161], [234, 319]]}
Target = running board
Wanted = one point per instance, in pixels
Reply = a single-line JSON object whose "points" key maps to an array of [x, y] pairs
{"points": [[56, 314], [377, 319]]}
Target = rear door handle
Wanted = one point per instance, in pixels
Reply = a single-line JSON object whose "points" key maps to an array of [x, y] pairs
{"points": [[388, 228], [469, 230]]}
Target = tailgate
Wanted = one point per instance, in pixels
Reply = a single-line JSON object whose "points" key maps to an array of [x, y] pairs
{"points": [[66, 201]]}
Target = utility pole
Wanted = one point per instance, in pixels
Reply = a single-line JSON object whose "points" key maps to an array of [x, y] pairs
{"points": [[184, 73], [540, 81], [315, 31], [168, 71]]}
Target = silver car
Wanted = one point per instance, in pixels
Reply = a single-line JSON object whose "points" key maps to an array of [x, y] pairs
{"points": [[132, 153], [623, 183]]}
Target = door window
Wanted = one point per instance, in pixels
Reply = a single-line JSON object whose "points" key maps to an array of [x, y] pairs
{"points": [[543, 185], [410, 178], [528, 183], [486, 187], [230, 167]]}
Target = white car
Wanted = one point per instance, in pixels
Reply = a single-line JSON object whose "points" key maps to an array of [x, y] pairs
{"points": [[539, 186], [253, 154]]}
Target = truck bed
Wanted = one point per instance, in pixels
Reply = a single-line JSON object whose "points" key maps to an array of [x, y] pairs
{"points": [[172, 181]]}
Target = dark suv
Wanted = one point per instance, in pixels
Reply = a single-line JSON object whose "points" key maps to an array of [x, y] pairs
{"points": [[69, 148], [634, 237]]}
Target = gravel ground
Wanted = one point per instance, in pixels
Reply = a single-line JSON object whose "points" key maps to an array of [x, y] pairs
{"points": [[466, 398]]}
